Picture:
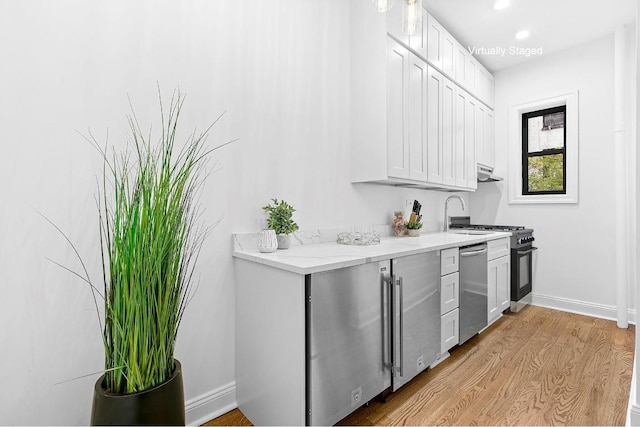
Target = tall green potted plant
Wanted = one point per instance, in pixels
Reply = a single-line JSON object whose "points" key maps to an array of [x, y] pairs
{"points": [[281, 221], [151, 237]]}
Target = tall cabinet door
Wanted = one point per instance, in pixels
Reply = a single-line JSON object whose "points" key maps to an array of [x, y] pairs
{"points": [[448, 132], [460, 139], [434, 126], [418, 79], [418, 41], [488, 138], [480, 133], [504, 283], [499, 274], [470, 134], [397, 109]]}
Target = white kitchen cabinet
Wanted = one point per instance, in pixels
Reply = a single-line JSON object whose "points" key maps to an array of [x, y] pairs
{"points": [[448, 55], [449, 300], [460, 63], [449, 330], [449, 292], [470, 140], [448, 114], [398, 108], [489, 143], [484, 136], [449, 261], [407, 126], [435, 41], [417, 120], [498, 248], [435, 84], [461, 144], [499, 271], [470, 74]]}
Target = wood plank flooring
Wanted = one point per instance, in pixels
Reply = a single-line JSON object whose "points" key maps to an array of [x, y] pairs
{"points": [[536, 367]]}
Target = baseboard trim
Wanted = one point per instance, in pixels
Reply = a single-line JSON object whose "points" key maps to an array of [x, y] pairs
{"points": [[602, 311], [211, 405]]}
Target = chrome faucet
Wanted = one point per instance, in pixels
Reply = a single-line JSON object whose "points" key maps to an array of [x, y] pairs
{"points": [[446, 203]]}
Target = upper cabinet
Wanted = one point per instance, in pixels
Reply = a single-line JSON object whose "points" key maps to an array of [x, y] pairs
{"points": [[419, 104]]}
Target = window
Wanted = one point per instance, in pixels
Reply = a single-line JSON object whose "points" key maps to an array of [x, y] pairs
{"points": [[544, 151]]}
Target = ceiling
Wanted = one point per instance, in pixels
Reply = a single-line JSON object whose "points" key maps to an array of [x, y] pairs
{"points": [[554, 25]]}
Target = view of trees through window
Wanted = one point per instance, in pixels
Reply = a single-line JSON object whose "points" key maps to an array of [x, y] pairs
{"points": [[544, 151]]}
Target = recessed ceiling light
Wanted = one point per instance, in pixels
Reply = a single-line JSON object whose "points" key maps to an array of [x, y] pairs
{"points": [[501, 4], [521, 35]]}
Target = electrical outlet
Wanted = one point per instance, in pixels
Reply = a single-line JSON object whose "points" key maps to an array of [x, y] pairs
{"points": [[420, 363], [356, 396]]}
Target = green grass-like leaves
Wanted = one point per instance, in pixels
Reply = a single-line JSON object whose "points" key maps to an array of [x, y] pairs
{"points": [[151, 238]]}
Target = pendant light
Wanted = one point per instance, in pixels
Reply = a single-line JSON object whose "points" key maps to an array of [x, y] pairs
{"points": [[411, 16], [382, 5]]}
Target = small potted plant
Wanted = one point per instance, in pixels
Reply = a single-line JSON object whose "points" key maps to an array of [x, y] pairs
{"points": [[413, 228], [281, 221]]}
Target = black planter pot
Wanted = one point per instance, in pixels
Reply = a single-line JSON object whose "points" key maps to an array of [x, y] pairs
{"points": [[161, 405]]}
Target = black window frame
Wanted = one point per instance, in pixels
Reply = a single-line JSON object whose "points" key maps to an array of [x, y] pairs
{"points": [[526, 155]]}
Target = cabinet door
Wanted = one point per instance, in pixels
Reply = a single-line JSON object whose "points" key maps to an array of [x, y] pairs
{"points": [[488, 139], [448, 131], [418, 78], [460, 62], [450, 330], [480, 134], [435, 40], [418, 41], [448, 54], [481, 75], [460, 139], [434, 126], [504, 288], [470, 74], [470, 125], [449, 292], [498, 273], [397, 109]]}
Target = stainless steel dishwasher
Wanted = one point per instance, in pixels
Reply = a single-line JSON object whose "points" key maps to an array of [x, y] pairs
{"points": [[473, 290]]}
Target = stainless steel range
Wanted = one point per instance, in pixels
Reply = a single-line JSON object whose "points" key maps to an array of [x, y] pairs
{"points": [[521, 256]]}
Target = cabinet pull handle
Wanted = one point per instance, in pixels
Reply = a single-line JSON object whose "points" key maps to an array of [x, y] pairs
{"points": [[466, 254], [401, 361], [386, 326]]}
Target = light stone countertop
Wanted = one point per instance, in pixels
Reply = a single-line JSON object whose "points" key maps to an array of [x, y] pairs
{"points": [[317, 257]]}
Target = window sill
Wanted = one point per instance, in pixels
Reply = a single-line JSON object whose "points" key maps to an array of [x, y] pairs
{"points": [[543, 199]]}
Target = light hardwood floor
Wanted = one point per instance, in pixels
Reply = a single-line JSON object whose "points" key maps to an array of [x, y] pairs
{"points": [[536, 367]]}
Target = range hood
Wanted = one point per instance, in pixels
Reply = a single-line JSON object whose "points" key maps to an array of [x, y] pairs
{"points": [[485, 174]]}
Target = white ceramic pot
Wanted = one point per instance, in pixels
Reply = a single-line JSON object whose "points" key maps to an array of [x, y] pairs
{"points": [[267, 241], [414, 233], [284, 241]]}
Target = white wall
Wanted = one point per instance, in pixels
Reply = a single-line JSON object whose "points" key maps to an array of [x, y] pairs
{"points": [[575, 264], [281, 70]]}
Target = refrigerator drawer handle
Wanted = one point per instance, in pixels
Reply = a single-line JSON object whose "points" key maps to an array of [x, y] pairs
{"points": [[400, 363], [387, 282], [473, 253]]}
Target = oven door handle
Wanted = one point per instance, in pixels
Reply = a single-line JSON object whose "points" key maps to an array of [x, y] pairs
{"points": [[528, 251]]}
